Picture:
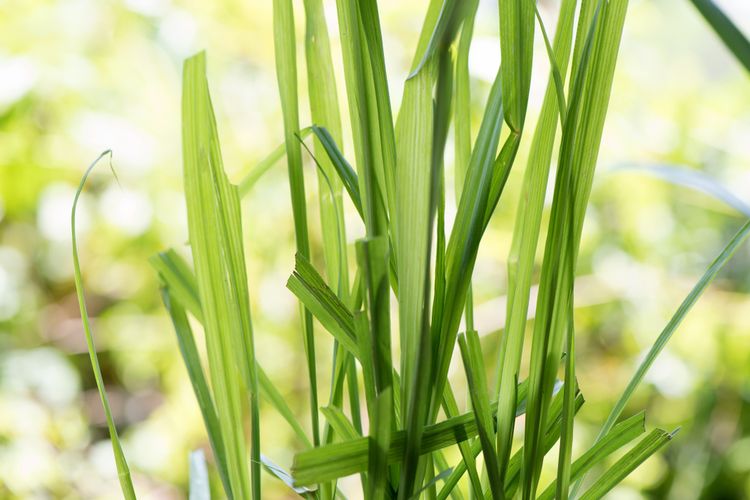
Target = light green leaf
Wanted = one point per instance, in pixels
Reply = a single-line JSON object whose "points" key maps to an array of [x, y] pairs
{"points": [[123, 471], [216, 239]]}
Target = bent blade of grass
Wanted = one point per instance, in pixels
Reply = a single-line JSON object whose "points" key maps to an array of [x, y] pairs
{"points": [[620, 435], [526, 233], [555, 73], [627, 464], [729, 33], [437, 30], [215, 230], [308, 286], [345, 172], [286, 73], [123, 471]]}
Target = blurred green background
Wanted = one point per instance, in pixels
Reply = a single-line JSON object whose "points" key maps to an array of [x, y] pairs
{"points": [[81, 76]]}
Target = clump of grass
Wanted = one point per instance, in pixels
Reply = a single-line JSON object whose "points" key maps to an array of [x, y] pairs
{"points": [[409, 255]]}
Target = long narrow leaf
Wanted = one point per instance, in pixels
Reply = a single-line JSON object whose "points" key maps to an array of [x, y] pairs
{"points": [[191, 359], [627, 464], [729, 33], [123, 471], [286, 72], [215, 236], [666, 334]]}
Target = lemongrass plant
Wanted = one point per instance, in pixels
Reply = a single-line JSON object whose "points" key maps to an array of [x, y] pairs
{"points": [[391, 422]]}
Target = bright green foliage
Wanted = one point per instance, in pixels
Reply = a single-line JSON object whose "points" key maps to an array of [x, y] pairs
{"points": [[219, 262], [397, 186]]}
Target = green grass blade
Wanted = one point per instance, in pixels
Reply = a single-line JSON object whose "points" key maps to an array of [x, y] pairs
{"points": [[340, 423], [286, 73], [411, 219], [372, 259], [516, 51], [270, 391], [462, 121], [183, 289], [422, 130], [191, 359], [729, 33], [344, 170], [443, 474], [379, 439], [551, 436], [553, 431], [259, 170], [383, 133], [437, 30], [566, 434], [468, 464], [473, 361], [364, 127], [308, 286], [666, 334], [462, 109], [620, 435], [216, 239], [123, 471], [526, 236], [442, 465], [179, 278], [464, 240], [627, 464], [557, 77], [324, 108], [579, 149], [200, 489]]}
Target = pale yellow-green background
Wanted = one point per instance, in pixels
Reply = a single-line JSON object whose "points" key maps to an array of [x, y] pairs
{"points": [[81, 76]]}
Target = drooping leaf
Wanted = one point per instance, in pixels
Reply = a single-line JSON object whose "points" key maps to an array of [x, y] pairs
{"points": [[123, 471]]}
